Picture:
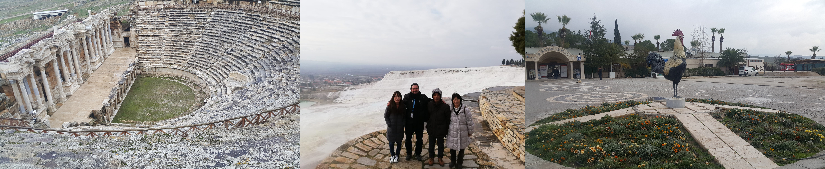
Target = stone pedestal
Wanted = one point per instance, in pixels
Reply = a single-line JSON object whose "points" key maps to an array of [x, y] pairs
{"points": [[675, 103]]}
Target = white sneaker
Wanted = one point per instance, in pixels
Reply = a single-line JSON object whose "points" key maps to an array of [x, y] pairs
{"points": [[393, 159]]}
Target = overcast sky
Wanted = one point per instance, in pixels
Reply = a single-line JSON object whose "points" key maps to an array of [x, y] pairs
{"points": [[763, 27], [410, 32]]}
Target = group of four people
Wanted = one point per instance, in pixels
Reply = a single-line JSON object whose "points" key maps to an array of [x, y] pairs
{"points": [[407, 116]]}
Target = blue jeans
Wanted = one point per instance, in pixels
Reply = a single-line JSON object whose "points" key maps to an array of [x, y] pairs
{"points": [[394, 151]]}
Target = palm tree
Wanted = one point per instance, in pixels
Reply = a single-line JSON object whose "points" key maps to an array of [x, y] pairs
{"points": [[563, 20], [787, 53], [695, 44], [721, 37], [638, 37], [814, 49], [713, 40], [540, 18], [657, 41]]}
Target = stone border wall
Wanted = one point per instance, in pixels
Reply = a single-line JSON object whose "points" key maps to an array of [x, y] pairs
{"points": [[504, 112], [116, 96]]}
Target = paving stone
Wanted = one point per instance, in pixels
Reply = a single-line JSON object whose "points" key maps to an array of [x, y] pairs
{"points": [[344, 160], [356, 151], [383, 165], [364, 147], [380, 158], [378, 141], [373, 152], [358, 166], [366, 161], [470, 157], [810, 163], [349, 155]]}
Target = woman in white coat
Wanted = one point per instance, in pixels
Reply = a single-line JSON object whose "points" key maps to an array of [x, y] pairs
{"points": [[461, 128]]}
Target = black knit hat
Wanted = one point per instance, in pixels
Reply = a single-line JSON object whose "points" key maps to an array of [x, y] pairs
{"points": [[456, 95], [436, 90]]}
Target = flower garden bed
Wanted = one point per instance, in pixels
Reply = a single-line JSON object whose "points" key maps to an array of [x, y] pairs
{"points": [[588, 110], [784, 137], [619, 142], [719, 102]]}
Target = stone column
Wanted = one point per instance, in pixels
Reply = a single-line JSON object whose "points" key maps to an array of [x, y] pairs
{"points": [[99, 45], [71, 70], [17, 95], [36, 93], [60, 95], [25, 94], [537, 69], [93, 46], [570, 70], [49, 98], [108, 32], [581, 67], [64, 70], [77, 69], [87, 53]]}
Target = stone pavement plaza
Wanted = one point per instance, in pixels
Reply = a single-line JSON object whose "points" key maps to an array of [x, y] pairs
{"points": [[372, 151], [799, 95]]}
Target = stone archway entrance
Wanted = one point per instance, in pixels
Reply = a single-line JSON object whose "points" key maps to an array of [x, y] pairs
{"points": [[553, 61]]}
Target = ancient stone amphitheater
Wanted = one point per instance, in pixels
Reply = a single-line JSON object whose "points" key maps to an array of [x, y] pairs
{"points": [[247, 58], [244, 56]]}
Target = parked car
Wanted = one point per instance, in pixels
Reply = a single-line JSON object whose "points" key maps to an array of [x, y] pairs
{"points": [[747, 71]]}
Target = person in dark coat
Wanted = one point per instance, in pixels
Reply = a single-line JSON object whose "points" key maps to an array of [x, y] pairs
{"points": [[437, 126], [600, 73], [416, 103], [395, 115]]}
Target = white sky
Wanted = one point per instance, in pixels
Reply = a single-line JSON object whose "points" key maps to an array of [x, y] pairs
{"points": [[763, 27], [413, 33]]}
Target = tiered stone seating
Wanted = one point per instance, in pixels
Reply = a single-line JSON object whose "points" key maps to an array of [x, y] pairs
{"points": [[212, 43]]}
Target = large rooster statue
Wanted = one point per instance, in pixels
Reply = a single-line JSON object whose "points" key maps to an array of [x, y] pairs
{"points": [[674, 67]]}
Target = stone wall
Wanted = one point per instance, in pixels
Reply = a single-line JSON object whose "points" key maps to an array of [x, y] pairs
{"points": [[116, 96], [504, 112]]}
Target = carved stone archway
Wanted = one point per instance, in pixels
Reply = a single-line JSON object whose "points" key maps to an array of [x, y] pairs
{"points": [[554, 55]]}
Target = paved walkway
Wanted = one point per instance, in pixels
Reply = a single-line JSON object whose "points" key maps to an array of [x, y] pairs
{"points": [[729, 149], [372, 151], [95, 90]]}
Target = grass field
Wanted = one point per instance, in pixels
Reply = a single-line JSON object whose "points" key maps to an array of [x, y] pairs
{"points": [[154, 99]]}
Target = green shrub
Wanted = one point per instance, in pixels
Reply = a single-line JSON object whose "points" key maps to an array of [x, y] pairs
{"points": [[820, 71], [588, 110], [705, 71], [784, 137], [619, 142], [640, 71]]}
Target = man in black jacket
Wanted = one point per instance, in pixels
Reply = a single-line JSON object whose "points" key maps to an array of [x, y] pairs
{"points": [[416, 103], [438, 125]]}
